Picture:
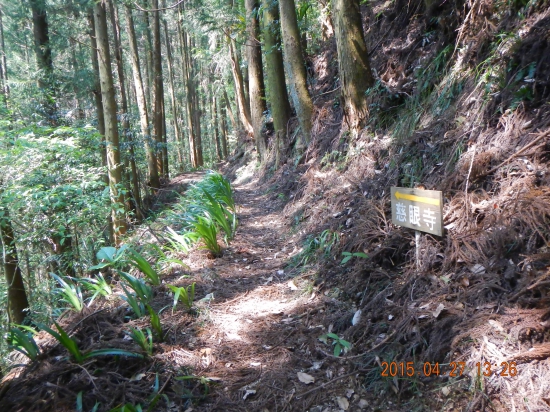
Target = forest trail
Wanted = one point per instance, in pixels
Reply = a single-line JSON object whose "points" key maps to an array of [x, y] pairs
{"points": [[250, 344], [261, 329]]}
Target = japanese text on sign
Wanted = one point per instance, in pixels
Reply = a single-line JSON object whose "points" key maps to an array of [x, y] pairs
{"points": [[417, 209]]}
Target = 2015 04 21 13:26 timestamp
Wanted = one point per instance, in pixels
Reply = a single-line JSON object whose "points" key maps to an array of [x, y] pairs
{"points": [[453, 369]]}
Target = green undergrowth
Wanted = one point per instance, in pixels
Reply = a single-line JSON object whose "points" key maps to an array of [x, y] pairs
{"points": [[139, 270], [206, 212]]}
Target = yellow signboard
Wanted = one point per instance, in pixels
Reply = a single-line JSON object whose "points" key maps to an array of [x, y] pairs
{"points": [[418, 209]]}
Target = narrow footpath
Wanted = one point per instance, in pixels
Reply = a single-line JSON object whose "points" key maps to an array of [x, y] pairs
{"points": [[260, 343]]}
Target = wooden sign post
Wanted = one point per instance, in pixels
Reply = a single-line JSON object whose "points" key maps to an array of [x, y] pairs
{"points": [[421, 210]]}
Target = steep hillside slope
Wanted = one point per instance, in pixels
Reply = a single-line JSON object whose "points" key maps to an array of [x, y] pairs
{"points": [[320, 303], [460, 105]]}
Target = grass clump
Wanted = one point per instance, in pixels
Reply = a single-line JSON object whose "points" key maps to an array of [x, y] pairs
{"points": [[207, 209]]}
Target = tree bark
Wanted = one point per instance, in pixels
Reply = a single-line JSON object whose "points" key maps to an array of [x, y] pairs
{"points": [[135, 204], [278, 95], [177, 134], [296, 69], [242, 107], [3, 65], [78, 107], [18, 304], [114, 164], [157, 90], [224, 131], [197, 110], [153, 182], [353, 62], [189, 92], [230, 110], [214, 112], [99, 109], [148, 47], [256, 85], [44, 62]]}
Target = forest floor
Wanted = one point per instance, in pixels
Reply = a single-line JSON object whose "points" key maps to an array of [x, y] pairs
{"points": [[252, 344]]}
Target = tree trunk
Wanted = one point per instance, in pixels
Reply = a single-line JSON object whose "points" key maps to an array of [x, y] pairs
{"points": [[157, 89], [296, 69], [197, 111], [43, 54], [214, 111], [189, 92], [177, 134], [327, 28], [224, 132], [78, 109], [18, 304], [99, 109], [230, 110], [242, 107], [148, 47], [114, 164], [141, 102], [3, 65], [135, 204], [165, 171], [278, 95], [255, 76], [353, 62]]}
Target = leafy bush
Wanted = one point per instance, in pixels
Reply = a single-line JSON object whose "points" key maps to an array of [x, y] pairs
{"points": [[349, 255], [155, 322], [206, 230], [338, 343], [221, 216], [143, 291], [137, 305], [322, 243], [141, 296]]}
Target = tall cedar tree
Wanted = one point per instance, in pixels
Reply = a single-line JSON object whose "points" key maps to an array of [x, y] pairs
{"points": [[242, 106], [3, 65], [153, 181], [114, 165], [277, 93], [98, 99], [18, 303], [296, 69], [43, 54], [134, 202], [255, 75], [353, 61], [158, 94], [192, 127], [177, 133]]}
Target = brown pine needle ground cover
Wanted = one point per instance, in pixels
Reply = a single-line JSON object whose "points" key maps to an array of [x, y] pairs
{"points": [[244, 348], [454, 110]]}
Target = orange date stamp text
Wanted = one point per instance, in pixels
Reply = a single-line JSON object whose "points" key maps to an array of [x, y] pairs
{"points": [[453, 369]]}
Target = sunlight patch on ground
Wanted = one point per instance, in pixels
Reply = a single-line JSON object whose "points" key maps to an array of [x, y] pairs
{"points": [[243, 314], [245, 173]]}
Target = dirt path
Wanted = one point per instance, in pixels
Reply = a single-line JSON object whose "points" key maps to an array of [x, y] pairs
{"points": [[261, 329], [243, 350]]}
